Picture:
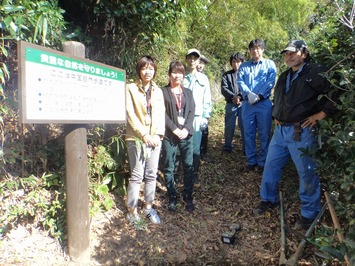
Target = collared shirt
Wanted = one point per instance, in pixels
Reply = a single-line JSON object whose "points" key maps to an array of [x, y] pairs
{"points": [[199, 84], [289, 80], [257, 77]]}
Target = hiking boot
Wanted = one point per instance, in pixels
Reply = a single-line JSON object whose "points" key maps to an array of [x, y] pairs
{"points": [[152, 215], [251, 167], [303, 224], [133, 218], [190, 207], [172, 204], [260, 169], [227, 150], [264, 206]]}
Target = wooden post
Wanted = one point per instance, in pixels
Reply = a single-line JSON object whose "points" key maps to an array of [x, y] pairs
{"points": [[76, 168]]}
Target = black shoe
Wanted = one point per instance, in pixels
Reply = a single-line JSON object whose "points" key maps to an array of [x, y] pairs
{"points": [[197, 181], [303, 224], [251, 167], [260, 169], [264, 206], [190, 207], [172, 204], [226, 150]]}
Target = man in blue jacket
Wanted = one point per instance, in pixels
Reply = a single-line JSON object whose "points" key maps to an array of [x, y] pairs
{"points": [[256, 78], [297, 108]]}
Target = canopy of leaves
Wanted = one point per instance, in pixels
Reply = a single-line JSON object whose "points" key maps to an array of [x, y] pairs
{"points": [[119, 32]]}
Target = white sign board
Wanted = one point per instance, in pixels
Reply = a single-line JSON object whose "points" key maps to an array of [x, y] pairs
{"points": [[56, 87]]}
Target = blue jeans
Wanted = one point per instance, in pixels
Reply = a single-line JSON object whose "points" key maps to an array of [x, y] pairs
{"points": [[257, 118], [282, 147], [232, 112], [170, 148], [143, 163]]}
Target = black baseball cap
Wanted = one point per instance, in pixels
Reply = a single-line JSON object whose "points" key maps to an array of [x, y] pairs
{"points": [[295, 45]]}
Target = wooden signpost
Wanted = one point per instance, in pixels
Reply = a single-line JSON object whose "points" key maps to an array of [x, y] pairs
{"points": [[66, 88]]}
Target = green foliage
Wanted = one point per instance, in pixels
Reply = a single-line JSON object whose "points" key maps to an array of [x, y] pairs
{"points": [[124, 30], [334, 43], [107, 168], [34, 200], [38, 22], [101, 171], [243, 21]]}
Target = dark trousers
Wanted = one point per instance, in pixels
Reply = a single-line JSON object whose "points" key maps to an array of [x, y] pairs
{"points": [[170, 148], [204, 142]]}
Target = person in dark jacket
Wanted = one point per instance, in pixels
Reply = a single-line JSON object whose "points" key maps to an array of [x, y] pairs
{"points": [[179, 117], [297, 108], [233, 97]]}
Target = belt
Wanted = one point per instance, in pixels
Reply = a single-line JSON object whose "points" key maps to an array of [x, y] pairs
{"points": [[297, 130], [260, 98], [288, 124]]}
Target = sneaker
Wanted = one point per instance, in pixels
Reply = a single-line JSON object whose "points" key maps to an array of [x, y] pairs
{"points": [[172, 204], [264, 206], [190, 207], [133, 218], [303, 224], [152, 215]]}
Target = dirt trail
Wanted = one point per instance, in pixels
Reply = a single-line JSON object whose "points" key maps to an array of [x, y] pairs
{"points": [[227, 195]]}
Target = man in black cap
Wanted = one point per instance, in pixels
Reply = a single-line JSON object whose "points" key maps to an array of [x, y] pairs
{"points": [[297, 108]]}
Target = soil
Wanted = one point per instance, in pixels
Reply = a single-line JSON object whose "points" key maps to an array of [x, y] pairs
{"points": [[227, 196]]}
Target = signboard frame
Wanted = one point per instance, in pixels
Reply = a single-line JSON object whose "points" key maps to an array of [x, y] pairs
{"points": [[51, 84]]}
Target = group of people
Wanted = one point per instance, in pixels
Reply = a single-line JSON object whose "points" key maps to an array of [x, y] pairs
{"points": [[165, 121], [296, 109], [174, 118]]}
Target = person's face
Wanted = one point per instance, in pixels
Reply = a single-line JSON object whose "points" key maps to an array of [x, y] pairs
{"points": [[294, 59], [192, 61], [147, 74], [175, 78], [201, 66], [256, 53], [236, 64]]}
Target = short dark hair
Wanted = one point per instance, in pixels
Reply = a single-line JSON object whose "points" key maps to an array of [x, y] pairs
{"points": [[257, 43], [178, 66], [236, 56], [145, 60]]}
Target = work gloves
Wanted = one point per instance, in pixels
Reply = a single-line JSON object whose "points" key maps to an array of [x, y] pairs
{"points": [[204, 123], [254, 98]]}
